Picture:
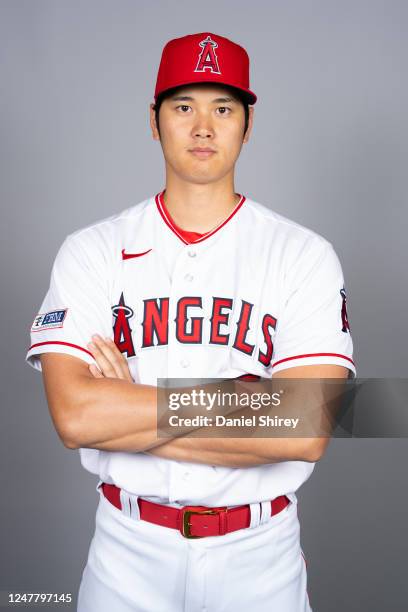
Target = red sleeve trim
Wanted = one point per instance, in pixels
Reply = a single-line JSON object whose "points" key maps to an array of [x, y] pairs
{"points": [[64, 344], [314, 355]]}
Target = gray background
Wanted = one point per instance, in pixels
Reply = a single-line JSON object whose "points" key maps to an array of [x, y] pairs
{"points": [[329, 150]]}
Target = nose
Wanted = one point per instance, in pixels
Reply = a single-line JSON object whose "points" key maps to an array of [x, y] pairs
{"points": [[203, 127]]}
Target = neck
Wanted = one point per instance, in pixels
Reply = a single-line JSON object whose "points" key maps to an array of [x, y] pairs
{"points": [[198, 207]]}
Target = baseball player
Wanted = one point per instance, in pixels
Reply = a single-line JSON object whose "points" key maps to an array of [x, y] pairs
{"points": [[197, 281]]}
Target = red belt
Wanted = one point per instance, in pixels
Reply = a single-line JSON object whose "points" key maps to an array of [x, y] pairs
{"points": [[194, 521]]}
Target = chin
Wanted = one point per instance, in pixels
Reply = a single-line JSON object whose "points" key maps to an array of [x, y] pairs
{"points": [[200, 178]]}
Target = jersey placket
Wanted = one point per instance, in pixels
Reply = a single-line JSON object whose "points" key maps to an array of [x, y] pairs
{"points": [[181, 356], [184, 283]]}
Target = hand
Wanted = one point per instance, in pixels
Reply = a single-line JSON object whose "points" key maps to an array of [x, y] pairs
{"points": [[111, 362]]}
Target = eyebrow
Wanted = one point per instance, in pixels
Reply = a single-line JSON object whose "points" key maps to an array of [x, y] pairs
{"points": [[191, 99]]}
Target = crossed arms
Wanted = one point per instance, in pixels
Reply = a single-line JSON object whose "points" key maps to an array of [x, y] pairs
{"points": [[104, 409]]}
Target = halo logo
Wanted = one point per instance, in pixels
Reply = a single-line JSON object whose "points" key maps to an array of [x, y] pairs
{"points": [[122, 333], [208, 58]]}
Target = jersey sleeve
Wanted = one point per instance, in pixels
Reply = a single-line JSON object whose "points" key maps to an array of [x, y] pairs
{"points": [[313, 327], [76, 304]]}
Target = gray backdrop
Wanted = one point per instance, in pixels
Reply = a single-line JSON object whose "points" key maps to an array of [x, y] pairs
{"points": [[329, 150]]}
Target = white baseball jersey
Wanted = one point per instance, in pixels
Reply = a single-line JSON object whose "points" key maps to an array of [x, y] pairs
{"points": [[257, 294]]}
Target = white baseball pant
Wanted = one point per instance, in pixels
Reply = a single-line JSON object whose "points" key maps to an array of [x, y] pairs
{"points": [[136, 566]]}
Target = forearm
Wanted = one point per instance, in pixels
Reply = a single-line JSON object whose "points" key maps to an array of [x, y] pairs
{"points": [[117, 415], [234, 452]]}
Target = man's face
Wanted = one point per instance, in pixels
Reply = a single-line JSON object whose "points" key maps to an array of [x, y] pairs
{"points": [[201, 132]]}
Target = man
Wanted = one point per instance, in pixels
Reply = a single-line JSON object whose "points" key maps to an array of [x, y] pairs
{"points": [[196, 282]]}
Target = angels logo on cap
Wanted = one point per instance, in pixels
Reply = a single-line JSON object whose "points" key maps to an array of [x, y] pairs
{"points": [[204, 58], [208, 58]]}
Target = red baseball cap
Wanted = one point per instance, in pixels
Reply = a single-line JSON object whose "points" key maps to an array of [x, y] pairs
{"points": [[204, 58]]}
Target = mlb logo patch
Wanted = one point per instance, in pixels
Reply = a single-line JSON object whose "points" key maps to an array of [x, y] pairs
{"points": [[49, 320]]}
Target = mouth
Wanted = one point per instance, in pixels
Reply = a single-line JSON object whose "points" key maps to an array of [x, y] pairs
{"points": [[202, 153]]}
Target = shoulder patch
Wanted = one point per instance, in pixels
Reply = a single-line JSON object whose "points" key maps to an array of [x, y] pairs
{"points": [[344, 315], [49, 320]]}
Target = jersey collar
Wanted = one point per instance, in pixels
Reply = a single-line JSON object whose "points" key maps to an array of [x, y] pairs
{"points": [[191, 237]]}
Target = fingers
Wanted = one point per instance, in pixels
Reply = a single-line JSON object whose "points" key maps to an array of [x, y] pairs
{"points": [[95, 371], [104, 363], [109, 359]]}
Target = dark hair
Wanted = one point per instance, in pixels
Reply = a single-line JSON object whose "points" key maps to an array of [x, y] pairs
{"points": [[235, 92]]}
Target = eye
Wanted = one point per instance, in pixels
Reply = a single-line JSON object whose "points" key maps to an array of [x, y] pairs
{"points": [[224, 110], [184, 107]]}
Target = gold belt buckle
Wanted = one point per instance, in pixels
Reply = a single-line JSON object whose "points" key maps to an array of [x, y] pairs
{"points": [[186, 525]]}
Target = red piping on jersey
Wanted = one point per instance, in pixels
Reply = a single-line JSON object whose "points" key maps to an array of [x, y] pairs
{"points": [[170, 223], [63, 343], [314, 355]]}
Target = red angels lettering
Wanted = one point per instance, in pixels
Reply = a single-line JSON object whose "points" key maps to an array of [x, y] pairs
{"points": [[155, 321], [208, 58], [196, 334], [189, 328], [219, 318], [122, 333], [267, 322], [242, 329]]}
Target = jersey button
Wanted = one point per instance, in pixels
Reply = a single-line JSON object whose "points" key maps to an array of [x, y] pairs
{"points": [[184, 363], [188, 278], [192, 253]]}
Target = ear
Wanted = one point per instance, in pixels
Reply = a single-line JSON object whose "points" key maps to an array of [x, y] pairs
{"points": [[250, 123], [153, 125]]}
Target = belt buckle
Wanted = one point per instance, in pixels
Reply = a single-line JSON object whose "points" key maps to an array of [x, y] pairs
{"points": [[187, 512]]}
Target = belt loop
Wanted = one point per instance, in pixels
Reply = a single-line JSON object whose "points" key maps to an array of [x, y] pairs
{"points": [[292, 497], [255, 509], [125, 502], [98, 486], [129, 504], [266, 511], [134, 507]]}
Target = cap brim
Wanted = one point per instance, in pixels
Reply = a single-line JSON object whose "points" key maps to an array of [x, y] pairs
{"points": [[246, 94], [249, 96]]}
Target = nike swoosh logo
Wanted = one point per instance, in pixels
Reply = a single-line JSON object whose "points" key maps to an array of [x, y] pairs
{"points": [[131, 255]]}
